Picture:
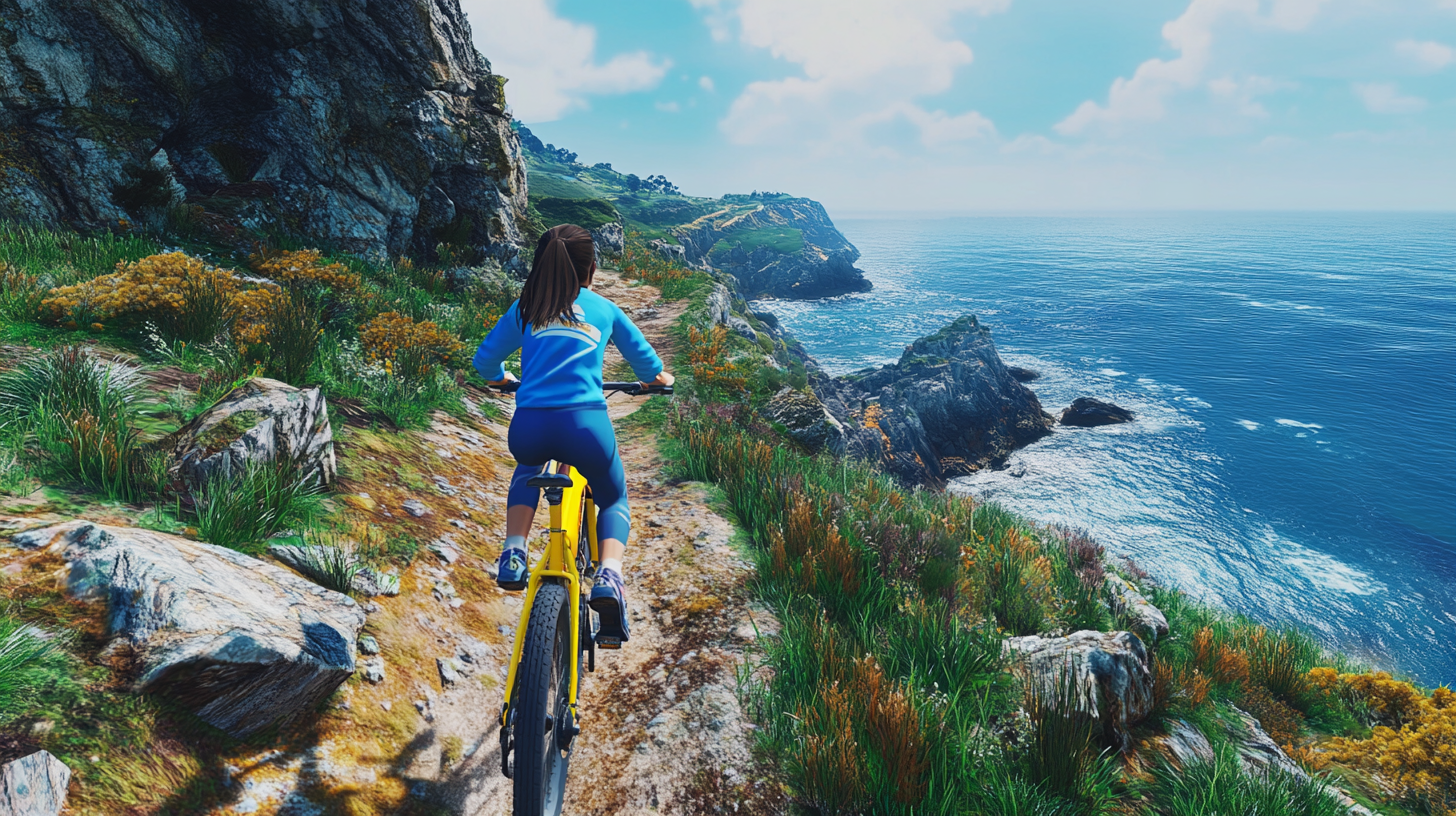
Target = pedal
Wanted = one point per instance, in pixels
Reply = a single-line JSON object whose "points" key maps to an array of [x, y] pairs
{"points": [[605, 642]]}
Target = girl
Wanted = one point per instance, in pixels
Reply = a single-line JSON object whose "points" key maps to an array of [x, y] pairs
{"points": [[562, 329]]}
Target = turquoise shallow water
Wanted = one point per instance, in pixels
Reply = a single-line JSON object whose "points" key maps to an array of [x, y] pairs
{"points": [[1293, 376]]}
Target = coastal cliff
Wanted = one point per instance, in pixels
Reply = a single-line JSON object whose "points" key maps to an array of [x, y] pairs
{"points": [[773, 245], [810, 258], [375, 128]]}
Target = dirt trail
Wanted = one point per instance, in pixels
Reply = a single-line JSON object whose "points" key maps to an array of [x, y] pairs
{"points": [[662, 730]]}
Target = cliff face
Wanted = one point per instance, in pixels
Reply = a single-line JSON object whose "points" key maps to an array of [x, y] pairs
{"points": [[371, 125], [822, 267], [948, 408]]}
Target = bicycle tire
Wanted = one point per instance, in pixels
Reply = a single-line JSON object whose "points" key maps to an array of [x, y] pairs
{"points": [[543, 676]]}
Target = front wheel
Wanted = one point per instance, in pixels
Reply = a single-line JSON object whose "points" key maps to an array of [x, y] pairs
{"points": [[544, 685]]}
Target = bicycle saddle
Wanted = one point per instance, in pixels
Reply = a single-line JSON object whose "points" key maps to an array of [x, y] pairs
{"points": [[562, 480]]}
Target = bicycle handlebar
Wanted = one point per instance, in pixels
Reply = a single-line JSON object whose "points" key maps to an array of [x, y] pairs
{"points": [[633, 389]]}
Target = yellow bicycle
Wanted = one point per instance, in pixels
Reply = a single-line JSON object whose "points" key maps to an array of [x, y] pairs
{"points": [[539, 719]]}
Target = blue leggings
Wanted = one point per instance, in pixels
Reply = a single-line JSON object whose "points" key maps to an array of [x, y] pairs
{"points": [[583, 438]]}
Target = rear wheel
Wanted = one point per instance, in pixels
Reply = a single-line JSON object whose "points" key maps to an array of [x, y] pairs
{"points": [[544, 686]]}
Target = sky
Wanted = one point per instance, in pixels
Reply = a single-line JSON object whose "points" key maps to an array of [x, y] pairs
{"points": [[965, 106]]}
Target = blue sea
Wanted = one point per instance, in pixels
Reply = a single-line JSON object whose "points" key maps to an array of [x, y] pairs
{"points": [[1293, 377]]}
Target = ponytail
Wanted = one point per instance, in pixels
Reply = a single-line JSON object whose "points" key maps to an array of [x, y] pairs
{"points": [[564, 263]]}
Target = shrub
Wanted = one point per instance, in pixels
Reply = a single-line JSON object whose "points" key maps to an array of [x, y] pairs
{"points": [[239, 510], [394, 340], [1415, 752], [1279, 660], [81, 412], [286, 337], [304, 269], [185, 298], [21, 293], [713, 369], [641, 262]]}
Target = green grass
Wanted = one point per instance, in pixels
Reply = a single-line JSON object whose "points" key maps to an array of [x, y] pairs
{"points": [[587, 213], [1220, 787], [546, 184], [239, 511], [784, 240], [32, 663]]}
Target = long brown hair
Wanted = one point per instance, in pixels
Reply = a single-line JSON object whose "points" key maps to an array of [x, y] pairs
{"points": [[565, 260]]}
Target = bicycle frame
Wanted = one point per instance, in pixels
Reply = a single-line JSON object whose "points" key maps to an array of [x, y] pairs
{"points": [[569, 507]]}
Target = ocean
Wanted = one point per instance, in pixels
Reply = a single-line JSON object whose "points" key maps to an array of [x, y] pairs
{"points": [[1293, 377]]}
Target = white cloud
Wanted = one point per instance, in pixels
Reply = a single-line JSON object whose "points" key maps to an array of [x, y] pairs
{"points": [[1427, 55], [1241, 93], [1142, 98], [1384, 97], [550, 61], [706, 83], [668, 107], [863, 62]]}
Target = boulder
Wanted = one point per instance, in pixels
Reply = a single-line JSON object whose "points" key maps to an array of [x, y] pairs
{"points": [[33, 785], [720, 305], [768, 319], [805, 420], [1183, 744], [1257, 750], [258, 422], [1086, 412], [948, 408], [742, 328], [1023, 374], [1111, 670], [1147, 620], [243, 643], [488, 274], [375, 128]]}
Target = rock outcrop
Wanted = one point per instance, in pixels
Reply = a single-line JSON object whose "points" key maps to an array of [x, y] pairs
{"points": [[805, 420], [948, 408], [258, 422], [374, 127], [33, 785], [1144, 618], [609, 240], [822, 267], [1111, 670], [1086, 412], [241, 642]]}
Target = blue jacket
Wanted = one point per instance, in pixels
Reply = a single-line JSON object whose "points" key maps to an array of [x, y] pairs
{"points": [[561, 364]]}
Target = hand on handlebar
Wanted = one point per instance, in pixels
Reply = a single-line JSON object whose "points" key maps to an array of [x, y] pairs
{"points": [[664, 379]]}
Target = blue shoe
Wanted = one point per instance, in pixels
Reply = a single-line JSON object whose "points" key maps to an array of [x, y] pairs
{"points": [[512, 570], [610, 602]]}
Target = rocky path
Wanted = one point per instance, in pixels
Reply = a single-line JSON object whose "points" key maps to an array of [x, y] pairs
{"points": [[663, 728]]}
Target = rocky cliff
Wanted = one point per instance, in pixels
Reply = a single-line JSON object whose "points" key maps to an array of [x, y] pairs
{"points": [[821, 264], [372, 126], [949, 407]]}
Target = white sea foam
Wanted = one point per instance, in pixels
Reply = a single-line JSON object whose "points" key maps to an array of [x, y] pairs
{"points": [[1248, 423], [1323, 570], [1284, 305], [1289, 423]]}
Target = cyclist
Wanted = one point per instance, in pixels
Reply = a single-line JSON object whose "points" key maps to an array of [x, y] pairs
{"points": [[562, 329]]}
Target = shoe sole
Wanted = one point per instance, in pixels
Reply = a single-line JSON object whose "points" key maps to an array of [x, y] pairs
{"points": [[611, 615], [511, 587]]}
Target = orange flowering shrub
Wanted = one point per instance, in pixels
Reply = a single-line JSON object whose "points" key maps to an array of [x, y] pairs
{"points": [[185, 297], [1415, 755], [641, 262], [390, 335], [303, 267], [708, 358]]}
